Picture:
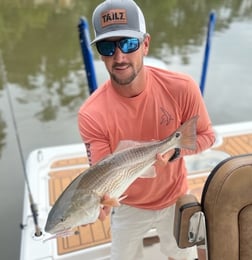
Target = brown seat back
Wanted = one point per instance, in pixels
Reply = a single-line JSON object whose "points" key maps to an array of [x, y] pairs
{"points": [[227, 205]]}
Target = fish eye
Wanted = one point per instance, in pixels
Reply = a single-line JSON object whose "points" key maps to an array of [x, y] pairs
{"points": [[177, 134], [62, 219]]}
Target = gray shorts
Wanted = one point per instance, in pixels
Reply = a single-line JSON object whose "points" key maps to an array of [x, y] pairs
{"points": [[129, 225]]}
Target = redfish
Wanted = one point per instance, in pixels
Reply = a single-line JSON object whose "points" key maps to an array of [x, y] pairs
{"points": [[80, 202]]}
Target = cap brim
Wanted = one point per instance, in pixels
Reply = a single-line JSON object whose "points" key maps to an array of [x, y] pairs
{"points": [[119, 33]]}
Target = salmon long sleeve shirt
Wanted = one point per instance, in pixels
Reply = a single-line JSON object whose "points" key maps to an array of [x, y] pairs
{"points": [[168, 100]]}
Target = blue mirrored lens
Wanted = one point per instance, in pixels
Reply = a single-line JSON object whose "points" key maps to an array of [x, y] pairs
{"points": [[126, 45]]}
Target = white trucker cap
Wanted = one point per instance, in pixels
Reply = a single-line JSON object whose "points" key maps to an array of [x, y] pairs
{"points": [[118, 18]]}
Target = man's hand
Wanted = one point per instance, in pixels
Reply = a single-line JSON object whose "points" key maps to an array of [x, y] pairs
{"points": [[162, 160], [105, 210]]}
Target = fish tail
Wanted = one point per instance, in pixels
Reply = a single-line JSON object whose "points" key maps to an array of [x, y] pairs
{"points": [[188, 134]]}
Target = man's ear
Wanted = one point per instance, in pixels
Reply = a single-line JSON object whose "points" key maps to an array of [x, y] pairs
{"points": [[146, 44]]}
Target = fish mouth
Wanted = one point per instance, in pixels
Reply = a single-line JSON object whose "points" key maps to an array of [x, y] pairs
{"points": [[57, 229], [63, 233]]}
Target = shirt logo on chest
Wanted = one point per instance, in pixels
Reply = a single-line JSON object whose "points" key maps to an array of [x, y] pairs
{"points": [[166, 117]]}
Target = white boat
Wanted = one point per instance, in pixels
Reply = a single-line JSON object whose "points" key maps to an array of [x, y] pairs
{"points": [[50, 170]]}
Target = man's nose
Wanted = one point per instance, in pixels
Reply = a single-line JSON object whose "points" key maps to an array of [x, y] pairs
{"points": [[118, 55]]}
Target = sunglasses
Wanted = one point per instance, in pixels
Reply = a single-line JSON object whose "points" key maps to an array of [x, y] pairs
{"points": [[126, 45]]}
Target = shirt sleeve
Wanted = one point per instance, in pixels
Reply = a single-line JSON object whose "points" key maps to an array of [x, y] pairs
{"points": [[193, 104], [94, 138]]}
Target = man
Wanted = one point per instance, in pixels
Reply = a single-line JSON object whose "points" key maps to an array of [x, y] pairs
{"points": [[140, 103]]}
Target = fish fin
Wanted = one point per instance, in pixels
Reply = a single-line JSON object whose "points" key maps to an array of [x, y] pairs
{"points": [[188, 134], [122, 197], [150, 173], [112, 202], [124, 144]]}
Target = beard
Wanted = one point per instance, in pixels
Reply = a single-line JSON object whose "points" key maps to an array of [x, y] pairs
{"points": [[130, 78]]}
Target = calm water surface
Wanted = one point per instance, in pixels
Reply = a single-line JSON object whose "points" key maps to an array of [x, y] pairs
{"points": [[41, 66]]}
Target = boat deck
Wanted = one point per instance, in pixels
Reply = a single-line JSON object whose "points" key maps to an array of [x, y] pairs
{"points": [[63, 171]]}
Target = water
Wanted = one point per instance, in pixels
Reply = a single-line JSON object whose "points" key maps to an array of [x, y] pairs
{"points": [[41, 65]]}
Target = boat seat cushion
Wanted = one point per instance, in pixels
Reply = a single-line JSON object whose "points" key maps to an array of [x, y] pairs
{"points": [[227, 205]]}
